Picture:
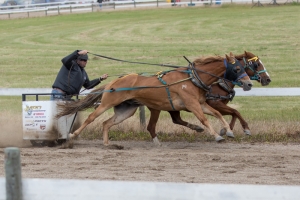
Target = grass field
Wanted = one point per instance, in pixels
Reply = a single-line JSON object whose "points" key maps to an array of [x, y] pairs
{"points": [[32, 49]]}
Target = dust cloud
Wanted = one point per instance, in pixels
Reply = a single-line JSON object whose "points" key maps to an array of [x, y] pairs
{"points": [[11, 131]]}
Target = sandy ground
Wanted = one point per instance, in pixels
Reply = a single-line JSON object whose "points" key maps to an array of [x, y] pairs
{"points": [[204, 162], [199, 162]]}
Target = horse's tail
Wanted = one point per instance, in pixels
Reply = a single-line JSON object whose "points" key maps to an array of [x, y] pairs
{"points": [[71, 107]]}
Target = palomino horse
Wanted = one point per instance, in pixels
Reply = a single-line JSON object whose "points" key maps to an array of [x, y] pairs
{"points": [[219, 95], [180, 89]]}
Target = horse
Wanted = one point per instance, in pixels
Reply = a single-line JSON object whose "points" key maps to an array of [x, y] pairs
{"points": [[219, 96], [181, 89]]}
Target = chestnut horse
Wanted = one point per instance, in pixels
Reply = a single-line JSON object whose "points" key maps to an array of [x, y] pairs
{"points": [[184, 88], [219, 95]]}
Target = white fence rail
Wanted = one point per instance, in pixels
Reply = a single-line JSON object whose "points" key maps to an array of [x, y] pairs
{"points": [[239, 92], [61, 189], [92, 6]]}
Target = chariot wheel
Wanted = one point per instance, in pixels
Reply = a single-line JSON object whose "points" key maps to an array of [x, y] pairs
{"points": [[42, 143], [38, 143], [61, 141]]}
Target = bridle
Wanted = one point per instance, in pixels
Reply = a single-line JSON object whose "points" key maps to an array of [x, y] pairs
{"points": [[253, 64]]}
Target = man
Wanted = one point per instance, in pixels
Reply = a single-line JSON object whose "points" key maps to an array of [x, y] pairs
{"points": [[100, 3], [72, 76]]}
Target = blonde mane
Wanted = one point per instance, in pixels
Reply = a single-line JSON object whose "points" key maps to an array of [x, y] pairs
{"points": [[206, 60], [241, 56]]}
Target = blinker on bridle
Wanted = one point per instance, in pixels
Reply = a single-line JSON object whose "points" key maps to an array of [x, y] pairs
{"points": [[236, 82], [253, 65]]}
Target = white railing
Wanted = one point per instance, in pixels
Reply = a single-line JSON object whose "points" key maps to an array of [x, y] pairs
{"points": [[91, 6], [13, 187], [292, 91]]}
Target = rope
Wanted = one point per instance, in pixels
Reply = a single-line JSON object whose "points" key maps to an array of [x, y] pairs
{"points": [[162, 65]]}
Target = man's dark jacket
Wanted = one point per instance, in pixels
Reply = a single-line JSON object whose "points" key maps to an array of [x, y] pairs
{"points": [[72, 77]]}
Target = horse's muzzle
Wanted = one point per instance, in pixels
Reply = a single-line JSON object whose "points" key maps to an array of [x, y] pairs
{"points": [[247, 85], [264, 81]]}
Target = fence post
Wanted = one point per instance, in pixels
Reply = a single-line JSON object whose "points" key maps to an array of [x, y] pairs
{"points": [[142, 117], [13, 174]]}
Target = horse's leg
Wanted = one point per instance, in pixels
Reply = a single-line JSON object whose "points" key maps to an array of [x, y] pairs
{"points": [[122, 112], [154, 115], [175, 115], [211, 111], [196, 109], [237, 115], [89, 120], [226, 110]]}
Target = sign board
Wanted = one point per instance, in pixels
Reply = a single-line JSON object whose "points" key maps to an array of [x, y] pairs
{"points": [[39, 122]]}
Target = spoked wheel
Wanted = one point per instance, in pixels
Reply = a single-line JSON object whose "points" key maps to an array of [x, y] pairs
{"points": [[42, 143], [61, 141], [38, 143]]}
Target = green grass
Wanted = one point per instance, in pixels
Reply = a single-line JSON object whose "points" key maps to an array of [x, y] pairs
{"points": [[31, 50]]}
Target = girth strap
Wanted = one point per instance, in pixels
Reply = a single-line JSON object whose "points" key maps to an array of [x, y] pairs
{"points": [[196, 80], [159, 77]]}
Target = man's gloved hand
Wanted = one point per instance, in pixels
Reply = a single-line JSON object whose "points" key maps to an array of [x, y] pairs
{"points": [[82, 52], [103, 77]]}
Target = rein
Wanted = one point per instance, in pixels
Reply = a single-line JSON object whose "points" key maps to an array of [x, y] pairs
{"points": [[143, 63], [162, 65]]}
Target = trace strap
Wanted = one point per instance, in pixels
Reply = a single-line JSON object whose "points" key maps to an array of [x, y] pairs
{"points": [[159, 77]]}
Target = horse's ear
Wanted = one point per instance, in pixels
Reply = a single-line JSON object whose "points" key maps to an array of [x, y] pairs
{"points": [[230, 58], [245, 53], [227, 57], [231, 54]]}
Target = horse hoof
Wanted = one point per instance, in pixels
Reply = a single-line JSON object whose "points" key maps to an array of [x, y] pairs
{"points": [[220, 139], [156, 141], [199, 129], [230, 134], [223, 131], [195, 127], [247, 132], [67, 145], [70, 136], [115, 146]]}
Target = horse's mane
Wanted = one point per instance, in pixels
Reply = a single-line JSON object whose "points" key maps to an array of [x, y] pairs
{"points": [[208, 59], [241, 56]]}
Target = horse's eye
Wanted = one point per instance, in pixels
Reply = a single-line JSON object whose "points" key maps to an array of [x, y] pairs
{"points": [[237, 69]]}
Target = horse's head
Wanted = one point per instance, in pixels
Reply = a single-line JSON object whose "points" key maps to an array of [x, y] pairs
{"points": [[235, 72], [255, 68]]}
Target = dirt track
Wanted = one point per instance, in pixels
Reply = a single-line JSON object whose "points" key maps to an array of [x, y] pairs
{"points": [[206, 162]]}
